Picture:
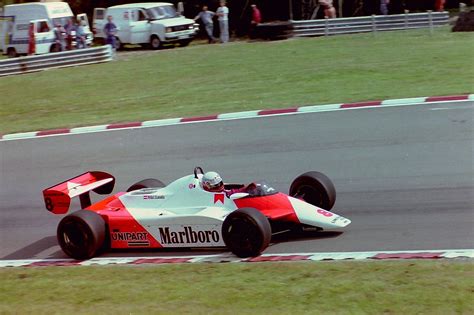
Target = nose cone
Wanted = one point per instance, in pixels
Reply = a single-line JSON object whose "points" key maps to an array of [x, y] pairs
{"points": [[314, 216]]}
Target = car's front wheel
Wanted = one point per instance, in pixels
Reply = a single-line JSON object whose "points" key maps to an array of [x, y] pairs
{"points": [[246, 232], [155, 42], [81, 234], [314, 188]]}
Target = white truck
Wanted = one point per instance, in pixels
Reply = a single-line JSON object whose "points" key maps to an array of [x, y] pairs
{"points": [[153, 24], [20, 21]]}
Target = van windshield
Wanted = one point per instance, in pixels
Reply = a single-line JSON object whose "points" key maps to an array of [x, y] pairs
{"points": [[62, 20], [162, 12]]}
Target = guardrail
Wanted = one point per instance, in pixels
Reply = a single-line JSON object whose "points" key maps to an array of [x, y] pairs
{"points": [[372, 23], [55, 60]]}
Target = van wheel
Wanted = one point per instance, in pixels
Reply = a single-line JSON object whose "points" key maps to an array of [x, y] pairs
{"points": [[11, 52], [55, 48], [155, 42], [118, 44], [184, 42]]}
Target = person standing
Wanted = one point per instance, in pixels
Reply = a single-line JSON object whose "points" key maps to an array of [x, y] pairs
{"points": [[206, 18], [110, 30], [59, 37], [329, 10], [384, 7], [223, 17], [80, 35], [69, 28], [256, 19]]}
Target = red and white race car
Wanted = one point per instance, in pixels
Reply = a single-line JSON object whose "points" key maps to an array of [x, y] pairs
{"points": [[183, 214]]}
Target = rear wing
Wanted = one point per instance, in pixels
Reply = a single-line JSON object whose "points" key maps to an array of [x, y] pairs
{"points": [[57, 198]]}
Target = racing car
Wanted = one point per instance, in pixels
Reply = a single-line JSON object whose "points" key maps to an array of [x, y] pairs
{"points": [[150, 214]]}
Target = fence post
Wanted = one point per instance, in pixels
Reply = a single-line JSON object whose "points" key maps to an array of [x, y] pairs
{"points": [[462, 7], [326, 26], [406, 19], [374, 27], [430, 19]]}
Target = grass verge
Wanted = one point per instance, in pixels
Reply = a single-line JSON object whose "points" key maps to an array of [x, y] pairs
{"points": [[206, 79], [367, 287]]}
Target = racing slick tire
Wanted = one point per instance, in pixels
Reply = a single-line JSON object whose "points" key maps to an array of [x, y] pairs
{"points": [[146, 183], [314, 188], [81, 234], [246, 232]]}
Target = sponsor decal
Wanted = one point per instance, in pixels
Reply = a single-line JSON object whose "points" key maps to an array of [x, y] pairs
{"points": [[133, 239], [188, 236], [219, 197], [192, 186], [150, 197], [325, 213], [129, 236]]}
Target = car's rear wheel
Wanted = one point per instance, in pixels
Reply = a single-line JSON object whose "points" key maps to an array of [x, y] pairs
{"points": [[246, 232], [314, 188], [81, 234], [146, 183]]}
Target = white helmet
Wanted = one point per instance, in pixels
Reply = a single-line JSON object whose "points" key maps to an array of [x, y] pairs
{"points": [[211, 181]]}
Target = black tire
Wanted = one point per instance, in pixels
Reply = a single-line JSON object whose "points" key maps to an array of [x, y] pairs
{"points": [[146, 183], [184, 42], [246, 232], [81, 234], [55, 48], [155, 42], [118, 44], [314, 188], [11, 52]]}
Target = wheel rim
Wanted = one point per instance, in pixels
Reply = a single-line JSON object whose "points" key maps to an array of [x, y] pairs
{"points": [[243, 235], [310, 195], [155, 42], [75, 238]]}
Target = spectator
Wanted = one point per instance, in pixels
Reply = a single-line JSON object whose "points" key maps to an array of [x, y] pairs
{"points": [[110, 30], [223, 17], [206, 18], [384, 7], [69, 28], [80, 35], [256, 19], [59, 37], [31, 39], [329, 10]]}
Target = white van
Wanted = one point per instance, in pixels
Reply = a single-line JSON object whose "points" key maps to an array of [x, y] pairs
{"points": [[41, 17], [153, 23]]}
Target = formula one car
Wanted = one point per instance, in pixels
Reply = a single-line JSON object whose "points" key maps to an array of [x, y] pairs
{"points": [[183, 214]]}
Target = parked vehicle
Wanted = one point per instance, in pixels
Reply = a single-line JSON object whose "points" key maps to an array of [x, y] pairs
{"points": [[20, 22], [152, 24]]}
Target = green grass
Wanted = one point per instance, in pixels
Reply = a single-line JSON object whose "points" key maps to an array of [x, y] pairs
{"points": [[206, 79], [396, 287]]}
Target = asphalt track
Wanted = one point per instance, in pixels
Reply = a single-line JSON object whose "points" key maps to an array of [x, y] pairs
{"points": [[404, 175]]}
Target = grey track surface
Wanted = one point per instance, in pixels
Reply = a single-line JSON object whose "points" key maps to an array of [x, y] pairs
{"points": [[404, 175]]}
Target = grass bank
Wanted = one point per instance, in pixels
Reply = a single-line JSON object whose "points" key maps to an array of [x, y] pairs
{"points": [[396, 287], [206, 79]]}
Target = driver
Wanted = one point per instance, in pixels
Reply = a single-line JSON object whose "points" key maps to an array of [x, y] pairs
{"points": [[212, 182]]}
